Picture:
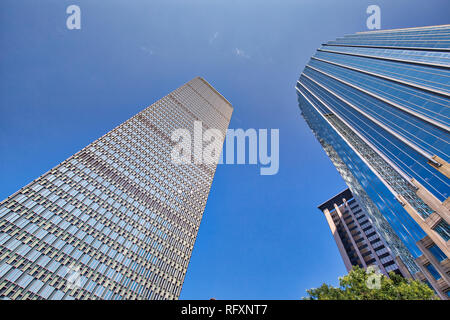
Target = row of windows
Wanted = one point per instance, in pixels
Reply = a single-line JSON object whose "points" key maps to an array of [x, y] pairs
{"points": [[433, 58]]}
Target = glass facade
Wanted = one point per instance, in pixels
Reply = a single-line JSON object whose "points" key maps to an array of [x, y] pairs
{"points": [[437, 253], [117, 220], [379, 104], [433, 271]]}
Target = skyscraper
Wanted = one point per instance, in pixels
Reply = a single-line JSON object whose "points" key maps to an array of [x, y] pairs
{"points": [[378, 102], [117, 220], [356, 238]]}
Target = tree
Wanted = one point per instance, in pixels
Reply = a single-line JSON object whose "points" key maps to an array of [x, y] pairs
{"points": [[360, 284]]}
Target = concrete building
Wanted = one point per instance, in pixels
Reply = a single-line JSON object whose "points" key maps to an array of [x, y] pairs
{"points": [[356, 238]]}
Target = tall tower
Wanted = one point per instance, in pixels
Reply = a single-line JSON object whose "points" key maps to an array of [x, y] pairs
{"points": [[356, 237], [379, 104], [117, 220]]}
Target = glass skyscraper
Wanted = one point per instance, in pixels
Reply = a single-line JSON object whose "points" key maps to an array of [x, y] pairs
{"points": [[379, 104], [117, 220]]}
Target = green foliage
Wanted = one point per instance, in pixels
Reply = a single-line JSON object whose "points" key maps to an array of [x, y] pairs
{"points": [[357, 286]]}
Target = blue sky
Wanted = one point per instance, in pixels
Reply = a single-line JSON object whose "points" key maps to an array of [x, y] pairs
{"points": [[261, 237]]}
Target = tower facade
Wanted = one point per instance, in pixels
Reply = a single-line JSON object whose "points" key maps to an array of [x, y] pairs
{"points": [[356, 237], [117, 220], [379, 103]]}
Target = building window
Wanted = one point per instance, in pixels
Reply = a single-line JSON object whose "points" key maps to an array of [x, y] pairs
{"points": [[443, 229], [432, 270], [437, 253]]}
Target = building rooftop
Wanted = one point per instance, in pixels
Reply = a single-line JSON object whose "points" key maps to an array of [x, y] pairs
{"points": [[329, 204]]}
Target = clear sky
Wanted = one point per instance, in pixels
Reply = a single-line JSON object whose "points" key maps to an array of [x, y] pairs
{"points": [[262, 237]]}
